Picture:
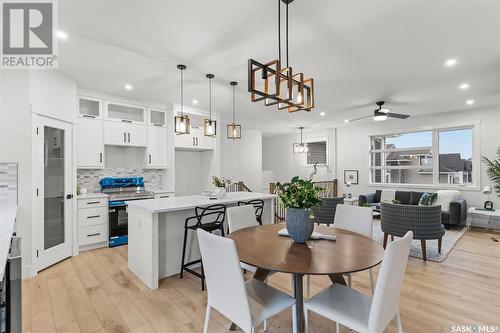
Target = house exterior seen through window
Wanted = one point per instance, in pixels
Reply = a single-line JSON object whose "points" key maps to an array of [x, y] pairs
{"points": [[423, 158]]}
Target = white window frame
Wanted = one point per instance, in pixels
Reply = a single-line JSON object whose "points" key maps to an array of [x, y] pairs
{"points": [[476, 159]]}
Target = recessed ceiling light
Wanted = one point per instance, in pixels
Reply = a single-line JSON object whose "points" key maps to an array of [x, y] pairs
{"points": [[346, 121], [469, 102], [450, 62], [322, 114], [61, 34], [195, 101], [464, 86], [128, 87]]}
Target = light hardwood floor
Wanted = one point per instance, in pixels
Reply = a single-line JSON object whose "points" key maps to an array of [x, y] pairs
{"points": [[95, 292]]}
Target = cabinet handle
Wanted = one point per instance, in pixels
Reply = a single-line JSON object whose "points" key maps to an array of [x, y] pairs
{"points": [[93, 216], [88, 116], [128, 137], [91, 235], [126, 121], [124, 137], [92, 202], [149, 158], [194, 142], [100, 157], [160, 125]]}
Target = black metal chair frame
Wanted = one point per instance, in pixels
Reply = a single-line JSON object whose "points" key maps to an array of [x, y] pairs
{"points": [[218, 214], [258, 205]]}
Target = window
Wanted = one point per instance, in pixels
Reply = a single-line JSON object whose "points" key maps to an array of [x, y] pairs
{"points": [[409, 158], [317, 152]]}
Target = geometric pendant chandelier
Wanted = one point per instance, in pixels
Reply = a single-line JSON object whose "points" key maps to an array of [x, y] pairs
{"points": [[276, 84], [181, 122], [233, 130], [302, 147]]}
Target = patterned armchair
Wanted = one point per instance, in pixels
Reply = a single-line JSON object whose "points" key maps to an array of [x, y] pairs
{"points": [[424, 221], [325, 213]]}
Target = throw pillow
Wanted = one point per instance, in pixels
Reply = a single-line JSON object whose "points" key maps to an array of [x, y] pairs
{"points": [[428, 199], [445, 197], [388, 195]]}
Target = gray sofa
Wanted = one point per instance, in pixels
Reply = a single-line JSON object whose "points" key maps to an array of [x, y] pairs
{"points": [[455, 215], [424, 221]]}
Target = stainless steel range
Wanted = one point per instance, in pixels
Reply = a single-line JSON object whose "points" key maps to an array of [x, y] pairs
{"points": [[121, 190]]}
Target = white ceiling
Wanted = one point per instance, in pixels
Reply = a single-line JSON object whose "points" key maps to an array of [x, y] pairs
{"points": [[357, 51]]}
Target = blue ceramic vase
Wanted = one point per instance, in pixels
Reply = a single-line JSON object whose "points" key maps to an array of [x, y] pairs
{"points": [[298, 224]]}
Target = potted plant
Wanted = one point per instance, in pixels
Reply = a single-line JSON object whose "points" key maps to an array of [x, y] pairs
{"points": [[493, 171], [298, 196], [220, 185]]}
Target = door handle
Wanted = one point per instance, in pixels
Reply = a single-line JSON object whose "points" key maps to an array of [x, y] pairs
{"points": [[100, 157], [128, 137], [69, 196]]}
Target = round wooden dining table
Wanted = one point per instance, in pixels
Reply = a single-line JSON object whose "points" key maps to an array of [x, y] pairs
{"points": [[262, 247]]}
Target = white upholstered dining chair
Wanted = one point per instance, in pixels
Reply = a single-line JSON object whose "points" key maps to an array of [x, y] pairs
{"points": [[356, 219], [246, 304], [360, 312]]}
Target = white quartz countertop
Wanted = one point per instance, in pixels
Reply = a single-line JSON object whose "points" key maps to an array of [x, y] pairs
{"points": [[162, 191], [91, 196], [190, 201], [7, 220]]}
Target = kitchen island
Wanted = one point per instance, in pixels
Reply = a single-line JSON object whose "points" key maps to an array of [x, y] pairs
{"points": [[156, 231]]}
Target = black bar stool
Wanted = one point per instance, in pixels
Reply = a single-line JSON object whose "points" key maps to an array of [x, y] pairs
{"points": [[209, 218], [258, 205]]}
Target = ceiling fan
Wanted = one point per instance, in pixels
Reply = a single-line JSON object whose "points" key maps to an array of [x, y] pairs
{"points": [[382, 113]]}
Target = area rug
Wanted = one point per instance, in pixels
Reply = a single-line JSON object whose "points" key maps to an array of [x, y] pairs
{"points": [[450, 239]]}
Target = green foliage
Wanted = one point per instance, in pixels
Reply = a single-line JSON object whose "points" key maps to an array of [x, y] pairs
{"points": [[220, 182], [493, 169], [299, 193], [396, 202], [366, 204]]}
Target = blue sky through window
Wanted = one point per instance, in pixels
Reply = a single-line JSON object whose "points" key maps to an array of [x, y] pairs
{"points": [[453, 141]]}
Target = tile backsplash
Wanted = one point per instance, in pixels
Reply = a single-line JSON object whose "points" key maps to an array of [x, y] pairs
{"points": [[8, 184], [89, 178]]}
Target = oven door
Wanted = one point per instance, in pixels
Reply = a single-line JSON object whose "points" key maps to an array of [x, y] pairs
{"points": [[118, 223]]}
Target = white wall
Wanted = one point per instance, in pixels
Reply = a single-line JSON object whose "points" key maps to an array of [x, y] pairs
{"points": [[353, 145], [278, 157], [15, 146], [242, 158]]}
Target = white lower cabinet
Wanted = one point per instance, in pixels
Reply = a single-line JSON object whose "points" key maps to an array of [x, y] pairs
{"points": [[125, 134], [157, 147], [93, 222], [90, 143]]}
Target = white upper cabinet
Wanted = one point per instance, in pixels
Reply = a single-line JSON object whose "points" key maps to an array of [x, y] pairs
{"points": [[157, 147], [157, 117], [89, 107], [125, 113], [90, 143], [125, 134], [195, 140]]}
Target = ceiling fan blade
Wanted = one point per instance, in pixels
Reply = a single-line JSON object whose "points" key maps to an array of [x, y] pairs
{"points": [[397, 115], [356, 119]]}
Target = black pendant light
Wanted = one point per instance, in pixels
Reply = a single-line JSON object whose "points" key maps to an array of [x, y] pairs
{"points": [[302, 147], [210, 125], [182, 121], [233, 130]]}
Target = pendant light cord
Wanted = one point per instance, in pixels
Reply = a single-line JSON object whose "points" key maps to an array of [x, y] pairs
{"points": [[279, 31], [286, 23], [210, 98], [182, 93], [233, 108]]}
